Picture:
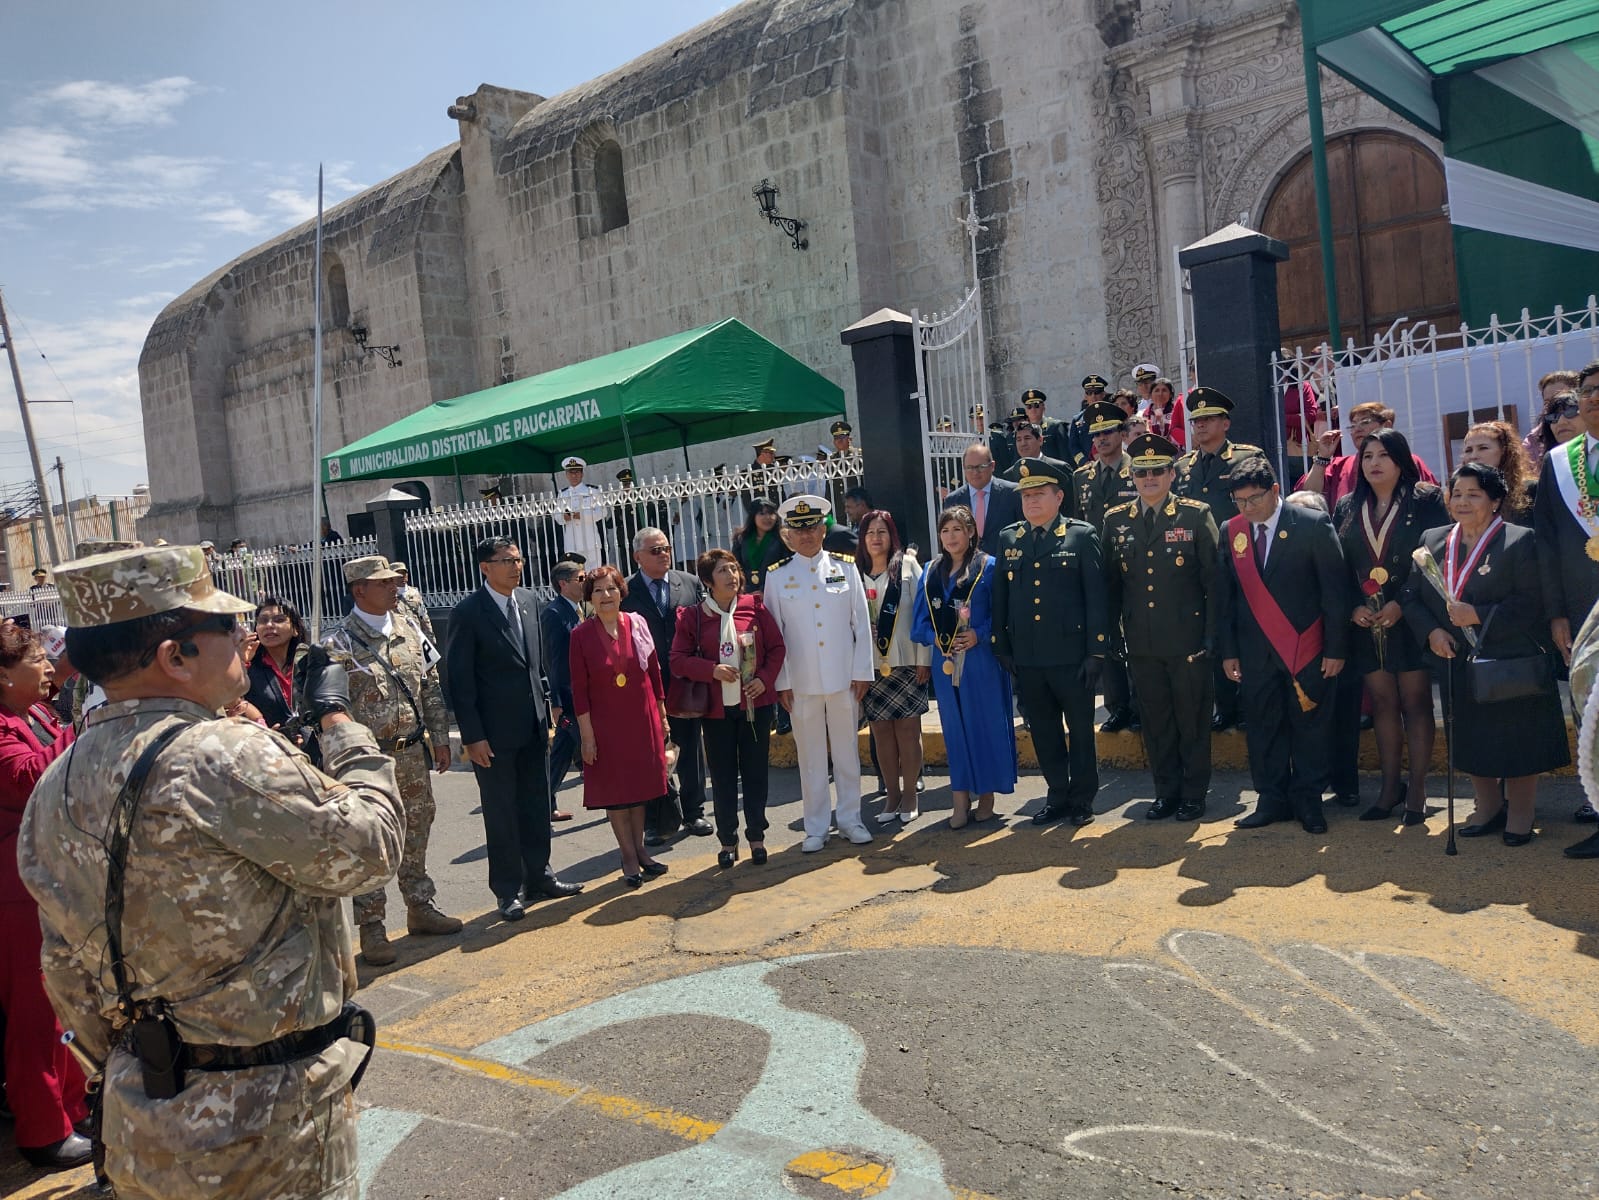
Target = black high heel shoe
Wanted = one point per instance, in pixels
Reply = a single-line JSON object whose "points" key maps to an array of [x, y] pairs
{"points": [[1483, 828], [758, 855], [727, 856], [653, 868], [634, 881], [1517, 839], [1381, 812]]}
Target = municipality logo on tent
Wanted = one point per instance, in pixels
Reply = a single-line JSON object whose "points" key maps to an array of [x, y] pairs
{"points": [[333, 468]]}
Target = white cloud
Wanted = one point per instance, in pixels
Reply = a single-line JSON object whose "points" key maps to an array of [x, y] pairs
{"points": [[45, 158], [120, 105], [234, 219]]}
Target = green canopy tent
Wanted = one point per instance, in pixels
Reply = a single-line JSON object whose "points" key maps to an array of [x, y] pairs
{"points": [[718, 381], [1511, 87]]}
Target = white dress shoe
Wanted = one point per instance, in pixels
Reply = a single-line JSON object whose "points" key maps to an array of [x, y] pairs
{"points": [[910, 815], [812, 844], [887, 818], [859, 835]]}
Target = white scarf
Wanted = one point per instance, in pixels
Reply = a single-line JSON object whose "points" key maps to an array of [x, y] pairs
{"points": [[728, 648]]}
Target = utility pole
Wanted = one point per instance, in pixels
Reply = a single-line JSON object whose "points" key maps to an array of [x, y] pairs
{"points": [[66, 506], [27, 432]]}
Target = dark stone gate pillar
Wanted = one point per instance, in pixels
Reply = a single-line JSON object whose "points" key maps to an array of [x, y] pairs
{"points": [[890, 421], [1233, 273]]}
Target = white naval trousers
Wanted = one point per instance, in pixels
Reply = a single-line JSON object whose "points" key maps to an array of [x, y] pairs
{"points": [[820, 720]]}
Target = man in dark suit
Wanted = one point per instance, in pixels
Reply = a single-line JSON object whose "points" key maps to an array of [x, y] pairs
{"points": [[494, 666], [995, 503], [1051, 631], [560, 616], [1282, 628], [655, 592]]}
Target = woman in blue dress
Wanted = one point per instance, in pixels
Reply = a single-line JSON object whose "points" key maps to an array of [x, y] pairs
{"points": [[954, 614]]}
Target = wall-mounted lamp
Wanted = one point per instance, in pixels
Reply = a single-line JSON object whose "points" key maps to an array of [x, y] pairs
{"points": [[389, 354], [766, 196]]}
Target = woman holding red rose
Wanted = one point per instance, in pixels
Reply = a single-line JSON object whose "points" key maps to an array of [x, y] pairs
{"points": [[1380, 524], [897, 699]]}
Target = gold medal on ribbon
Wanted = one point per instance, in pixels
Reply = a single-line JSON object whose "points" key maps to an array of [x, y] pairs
{"points": [[1241, 544], [621, 679], [884, 669], [1592, 547], [1179, 561], [1378, 575], [949, 667]]}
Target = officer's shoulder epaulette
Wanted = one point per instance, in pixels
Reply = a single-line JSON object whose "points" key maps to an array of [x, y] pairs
{"points": [[1085, 471], [1185, 502], [842, 557], [1124, 507], [1245, 450], [781, 562]]}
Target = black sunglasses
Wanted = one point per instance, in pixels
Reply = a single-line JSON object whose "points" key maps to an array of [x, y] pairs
{"points": [[1566, 408], [226, 624], [1146, 472]]}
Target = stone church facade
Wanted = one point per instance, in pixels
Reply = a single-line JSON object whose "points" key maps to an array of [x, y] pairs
{"points": [[1093, 135]]}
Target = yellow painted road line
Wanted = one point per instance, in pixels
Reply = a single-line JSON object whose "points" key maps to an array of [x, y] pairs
{"points": [[851, 1175]]}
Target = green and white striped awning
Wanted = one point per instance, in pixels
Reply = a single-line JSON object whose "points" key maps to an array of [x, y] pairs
{"points": [[1511, 87]]}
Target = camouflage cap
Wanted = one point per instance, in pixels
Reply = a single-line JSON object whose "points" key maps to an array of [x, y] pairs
{"points": [[90, 546], [373, 566], [123, 585]]}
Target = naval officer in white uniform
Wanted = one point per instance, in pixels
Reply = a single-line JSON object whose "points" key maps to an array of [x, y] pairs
{"points": [[581, 513], [818, 601]]}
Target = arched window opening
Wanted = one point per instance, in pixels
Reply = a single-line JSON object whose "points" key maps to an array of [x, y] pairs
{"points": [[338, 296], [610, 190]]}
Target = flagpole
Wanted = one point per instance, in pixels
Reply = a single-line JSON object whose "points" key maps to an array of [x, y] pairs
{"points": [[316, 430]]}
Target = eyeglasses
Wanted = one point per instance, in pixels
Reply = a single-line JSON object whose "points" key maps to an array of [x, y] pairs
{"points": [[1249, 501], [977, 468], [667, 549], [1034, 404], [223, 623], [500, 561], [1589, 390], [1147, 472], [1566, 408]]}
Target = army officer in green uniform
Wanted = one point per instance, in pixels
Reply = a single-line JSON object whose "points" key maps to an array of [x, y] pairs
{"points": [[1160, 565], [1100, 486], [1050, 632], [1202, 475]]}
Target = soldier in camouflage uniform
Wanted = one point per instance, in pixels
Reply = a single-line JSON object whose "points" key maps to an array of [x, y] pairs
{"points": [[394, 692], [233, 932], [413, 602], [1202, 475]]}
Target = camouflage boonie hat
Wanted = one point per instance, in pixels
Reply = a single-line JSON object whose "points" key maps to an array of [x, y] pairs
{"points": [[123, 585], [373, 566], [102, 546]]}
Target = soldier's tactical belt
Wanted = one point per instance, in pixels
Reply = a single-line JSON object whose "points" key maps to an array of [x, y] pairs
{"points": [[393, 746], [353, 1022]]}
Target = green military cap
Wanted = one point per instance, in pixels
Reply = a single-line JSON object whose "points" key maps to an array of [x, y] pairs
{"points": [[1208, 402], [804, 512], [839, 429], [944, 425], [1093, 383], [1036, 472], [372, 566], [1104, 417], [975, 411], [1151, 450], [123, 585], [39, 572], [625, 475], [90, 546], [1033, 396], [1018, 414]]}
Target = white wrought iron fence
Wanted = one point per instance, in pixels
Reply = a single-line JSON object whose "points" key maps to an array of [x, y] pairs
{"points": [[697, 512], [284, 573], [1438, 382], [42, 606]]}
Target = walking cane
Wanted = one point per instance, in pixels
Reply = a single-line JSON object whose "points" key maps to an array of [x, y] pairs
{"points": [[1449, 750]]}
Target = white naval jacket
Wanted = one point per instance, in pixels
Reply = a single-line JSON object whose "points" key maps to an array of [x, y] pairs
{"points": [[820, 607]]}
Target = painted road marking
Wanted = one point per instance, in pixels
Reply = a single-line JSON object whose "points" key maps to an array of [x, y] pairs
{"points": [[802, 1117]]}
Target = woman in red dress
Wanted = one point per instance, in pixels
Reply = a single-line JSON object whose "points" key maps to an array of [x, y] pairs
{"points": [[43, 1083], [621, 716]]}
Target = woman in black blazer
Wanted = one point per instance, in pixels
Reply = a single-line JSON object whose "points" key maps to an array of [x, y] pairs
{"points": [[1380, 525], [1491, 570]]}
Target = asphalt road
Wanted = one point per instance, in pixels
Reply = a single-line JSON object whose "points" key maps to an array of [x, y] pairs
{"points": [[1134, 1009]]}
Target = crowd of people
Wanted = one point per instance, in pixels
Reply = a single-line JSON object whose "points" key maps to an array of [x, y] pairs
{"points": [[1133, 553]]}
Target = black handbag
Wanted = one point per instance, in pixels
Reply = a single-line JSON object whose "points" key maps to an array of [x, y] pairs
{"points": [[1497, 680]]}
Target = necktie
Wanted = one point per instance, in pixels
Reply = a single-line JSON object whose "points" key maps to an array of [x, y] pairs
{"points": [[1260, 546], [658, 586], [979, 509]]}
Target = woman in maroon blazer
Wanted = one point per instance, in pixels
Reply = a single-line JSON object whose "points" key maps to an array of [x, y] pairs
{"points": [[43, 1082], [730, 643]]}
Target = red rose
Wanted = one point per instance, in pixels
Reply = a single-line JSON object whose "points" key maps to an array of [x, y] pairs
{"points": [[1370, 586]]}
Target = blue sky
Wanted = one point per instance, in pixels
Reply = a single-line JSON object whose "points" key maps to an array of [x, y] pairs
{"points": [[144, 145]]}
